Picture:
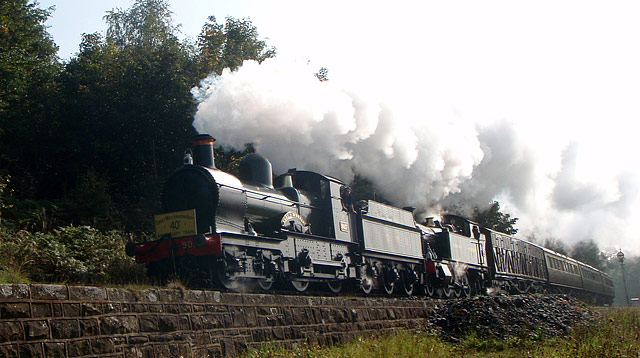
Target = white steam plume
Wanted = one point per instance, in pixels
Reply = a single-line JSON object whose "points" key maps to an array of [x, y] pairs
{"points": [[418, 154], [297, 121]]}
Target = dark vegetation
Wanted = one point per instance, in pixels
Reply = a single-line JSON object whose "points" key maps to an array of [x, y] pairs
{"points": [[86, 143]]}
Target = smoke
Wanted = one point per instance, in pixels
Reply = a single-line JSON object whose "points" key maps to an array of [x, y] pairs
{"points": [[417, 152]]}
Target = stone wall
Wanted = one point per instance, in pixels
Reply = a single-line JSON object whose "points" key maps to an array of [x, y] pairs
{"points": [[77, 321]]}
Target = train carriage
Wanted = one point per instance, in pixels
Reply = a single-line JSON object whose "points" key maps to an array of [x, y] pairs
{"points": [[564, 272], [514, 264]]}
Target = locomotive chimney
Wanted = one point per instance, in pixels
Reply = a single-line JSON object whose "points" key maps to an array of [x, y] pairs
{"points": [[202, 148]]}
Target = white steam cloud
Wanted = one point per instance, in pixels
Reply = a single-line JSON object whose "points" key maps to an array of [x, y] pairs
{"points": [[424, 158]]}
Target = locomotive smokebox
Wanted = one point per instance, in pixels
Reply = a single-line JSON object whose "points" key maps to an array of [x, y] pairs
{"points": [[202, 148]]}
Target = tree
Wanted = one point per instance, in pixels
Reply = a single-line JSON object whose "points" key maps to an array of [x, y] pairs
{"points": [[28, 74], [227, 46], [128, 107], [588, 252], [322, 75], [556, 245], [146, 23], [494, 219], [363, 189]]}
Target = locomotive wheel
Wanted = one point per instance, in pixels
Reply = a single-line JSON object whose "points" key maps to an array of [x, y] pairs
{"points": [[265, 284], [387, 285], [300, 286], [429, 290], [466, 288], [225, 282], [477, 287], [446, 291], [335, 286], [521, 287], [457, 290], [407, 283], [366, 284]]}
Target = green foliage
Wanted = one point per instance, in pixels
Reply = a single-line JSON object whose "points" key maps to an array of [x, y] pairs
{"points": [[363, 189], [494, 219], [28, 72], [33, 215], [90, 202], [146, 23], [128, 107], [5, 192], [227, 46], [556, 245], [588, 252], [68, 254], [228, 159], [27, 53], [322, 75], [18, 249]]}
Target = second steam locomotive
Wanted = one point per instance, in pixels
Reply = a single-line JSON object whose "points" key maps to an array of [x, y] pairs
{"points": [[302, 228]]}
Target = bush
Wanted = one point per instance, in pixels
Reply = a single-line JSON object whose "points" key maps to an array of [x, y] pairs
{"points": [[69, 254]]}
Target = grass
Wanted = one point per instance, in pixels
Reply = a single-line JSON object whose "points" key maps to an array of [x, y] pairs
{"points": [[616, 334], [13, 276]]}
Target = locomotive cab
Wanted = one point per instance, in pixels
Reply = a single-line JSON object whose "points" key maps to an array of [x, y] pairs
{"points": [[329, 220]]}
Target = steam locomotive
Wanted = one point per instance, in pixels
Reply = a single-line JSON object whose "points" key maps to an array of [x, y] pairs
{"points": [[303, 228]]}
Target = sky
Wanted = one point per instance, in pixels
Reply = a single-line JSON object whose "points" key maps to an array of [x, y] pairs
{"points": [[534, 104]]}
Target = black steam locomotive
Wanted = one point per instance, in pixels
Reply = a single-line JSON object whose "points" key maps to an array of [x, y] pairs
{"points": [[303, 227]]}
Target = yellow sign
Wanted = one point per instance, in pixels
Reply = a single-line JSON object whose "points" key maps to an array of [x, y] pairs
{"points": [[176, 224]]}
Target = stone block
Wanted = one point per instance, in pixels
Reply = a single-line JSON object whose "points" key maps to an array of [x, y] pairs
{"points": [[36, 330], [171, 295], [9, 351], [71, 309], [214, 351], [10, 332], [102, 346], [148, 323], [213, 296], [118, 325], [110, 308], [228, 347], [64, 328], [139, 352], [49, 292], [54, 350], [86, 293], [91, 309], [161, 338], [39, 310], [156, 308], [186, 308], [167, 323], [57, 310], [89, 327], [238, 316], [138, 340], [31, 350], [14, 291], [79, 348], [120, 295], [147, 295], [134, 307], [172, 308], [14, 310], [195, 296]]}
